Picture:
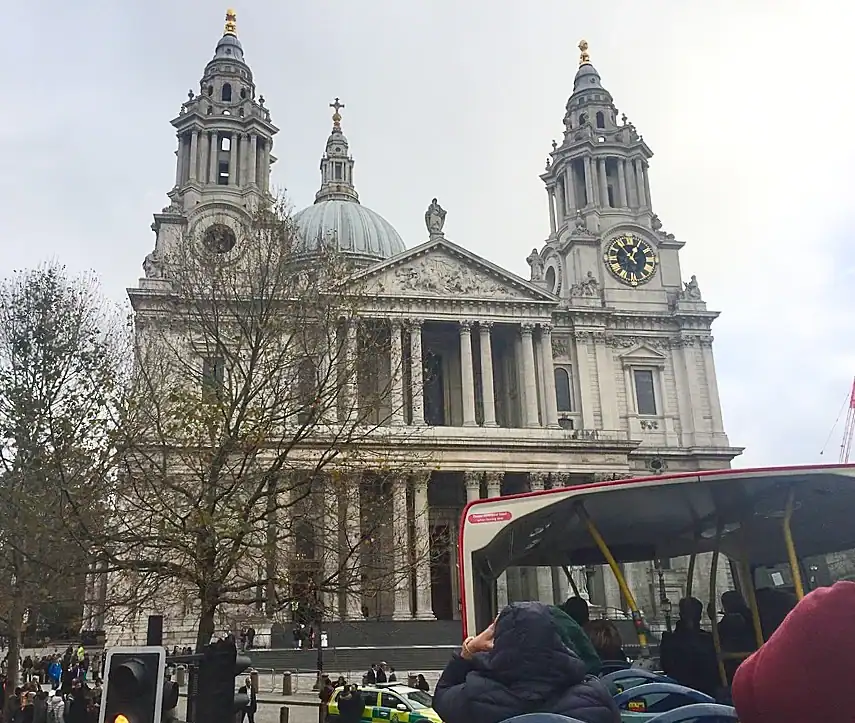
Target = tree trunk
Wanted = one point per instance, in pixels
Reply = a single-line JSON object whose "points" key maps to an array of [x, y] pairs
{"points": [[206, 623], [16, 625]]}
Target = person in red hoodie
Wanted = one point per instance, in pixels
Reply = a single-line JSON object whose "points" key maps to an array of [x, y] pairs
{"points": [[802, 672]]}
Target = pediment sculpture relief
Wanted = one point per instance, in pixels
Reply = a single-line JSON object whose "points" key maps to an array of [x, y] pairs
{"points": [[443, 276]]}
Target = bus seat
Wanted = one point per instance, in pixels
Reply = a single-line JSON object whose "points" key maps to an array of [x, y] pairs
{"points": [[698, 713], [610, 666], [644, 702], [621, 680], [541, 718]]}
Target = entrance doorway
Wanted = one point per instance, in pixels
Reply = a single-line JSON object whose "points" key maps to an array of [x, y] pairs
{"points": [[442, 597]]}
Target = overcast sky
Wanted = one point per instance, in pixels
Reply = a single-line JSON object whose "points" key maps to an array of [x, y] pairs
{"points": [[748, 107]]}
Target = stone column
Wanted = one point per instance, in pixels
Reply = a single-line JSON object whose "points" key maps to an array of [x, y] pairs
{"points": [[264, 181], [712, 387], [424, 608], [550, 192], [417, 381], [328, 388], [234, 155], [213, 169], [353, 535], [537, 483], [332, 526], [621, 177], [204, 157], [396, 378], [570, 186], [589, 181], [645, 170], [351, 361], [529, 378], [488, 393], [551, 402], [472, 480], [639, 183], [494, 489], [179, 163], [401, 530], [194, 155], [604, 183], [631, 186], [252, 163], [467, 377]]}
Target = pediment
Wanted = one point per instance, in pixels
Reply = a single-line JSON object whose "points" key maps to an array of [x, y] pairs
{"points": [[441, 269], [643, 354]]}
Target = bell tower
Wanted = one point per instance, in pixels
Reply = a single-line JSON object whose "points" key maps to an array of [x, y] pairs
{"points": [[224, 131], [605, 245], [225, 138]]}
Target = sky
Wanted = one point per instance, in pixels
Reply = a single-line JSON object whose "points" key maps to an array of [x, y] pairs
{"points": [[745, 105]]}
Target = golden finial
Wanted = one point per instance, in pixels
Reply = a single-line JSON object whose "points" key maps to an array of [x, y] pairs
{"points": [[231, 23], [336, 119], [584, 57]]}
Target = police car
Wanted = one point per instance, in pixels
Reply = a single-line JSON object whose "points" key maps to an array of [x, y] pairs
{"points": [[390, 703]]}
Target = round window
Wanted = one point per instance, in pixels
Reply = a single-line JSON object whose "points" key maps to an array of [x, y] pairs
{"points": [[219, 238]]}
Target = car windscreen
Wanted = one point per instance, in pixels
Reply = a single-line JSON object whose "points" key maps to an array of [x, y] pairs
{"points": [[419, 699]]}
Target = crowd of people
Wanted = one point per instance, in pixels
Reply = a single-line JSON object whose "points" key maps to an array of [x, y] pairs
{"points": [[537, 658], [75, 688]]}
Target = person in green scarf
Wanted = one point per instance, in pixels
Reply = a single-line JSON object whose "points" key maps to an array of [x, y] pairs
{"points": [[575, 638]]}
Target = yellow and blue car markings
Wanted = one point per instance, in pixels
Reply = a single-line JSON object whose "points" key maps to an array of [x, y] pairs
{"points": [[378, 708]]}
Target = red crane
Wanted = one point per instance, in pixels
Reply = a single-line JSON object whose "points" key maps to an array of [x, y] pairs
{"points": [[849, 428]]}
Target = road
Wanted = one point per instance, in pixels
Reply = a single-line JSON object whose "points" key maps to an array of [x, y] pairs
{"points": [[269, 712]]}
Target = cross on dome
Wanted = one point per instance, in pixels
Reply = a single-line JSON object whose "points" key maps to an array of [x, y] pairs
{"points": [[337, 106]]}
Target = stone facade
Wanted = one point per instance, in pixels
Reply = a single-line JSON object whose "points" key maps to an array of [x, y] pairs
{"points": [[582, 372]]}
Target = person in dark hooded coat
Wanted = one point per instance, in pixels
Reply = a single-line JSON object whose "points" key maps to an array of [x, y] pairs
{"points": [[520, 665]]}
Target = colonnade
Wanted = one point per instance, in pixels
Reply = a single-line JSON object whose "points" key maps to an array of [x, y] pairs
{"points": [[199, 152], [574, 191], [540, 406]]}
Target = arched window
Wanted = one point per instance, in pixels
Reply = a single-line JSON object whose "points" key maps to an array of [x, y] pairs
{"points": [[210, 90], [226, 94], [601, 119], [243, 93], [550, 278], [583, 118], [563, 390]]}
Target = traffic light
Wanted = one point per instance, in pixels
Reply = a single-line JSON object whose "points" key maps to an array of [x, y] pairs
{"points": [[134, 688], [216, 700]]}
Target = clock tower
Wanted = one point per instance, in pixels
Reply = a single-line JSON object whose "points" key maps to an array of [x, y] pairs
{"points": [[223, 159], [640, 331]]}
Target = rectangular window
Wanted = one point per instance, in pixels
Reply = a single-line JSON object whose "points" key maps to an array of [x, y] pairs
{"points": [[223, 178], [645, 394], [337, 171], [564, 389], [213, 375]]}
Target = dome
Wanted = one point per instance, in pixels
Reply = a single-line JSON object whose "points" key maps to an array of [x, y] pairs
{"points": [[357, 229]]}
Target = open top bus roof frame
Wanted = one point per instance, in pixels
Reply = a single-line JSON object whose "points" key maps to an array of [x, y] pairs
{"points": [[669, 516]]}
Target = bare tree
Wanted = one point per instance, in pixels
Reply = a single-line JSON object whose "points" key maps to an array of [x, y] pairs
{"points": [[60, 373], [251, 426]]}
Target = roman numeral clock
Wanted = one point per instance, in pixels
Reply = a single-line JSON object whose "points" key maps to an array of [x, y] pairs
{"points": [[631, 259]]}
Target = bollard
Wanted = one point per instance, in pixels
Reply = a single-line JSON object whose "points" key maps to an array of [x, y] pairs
{"points": [[253, 676], [412, 680], [283, 714], [287, 688], [180, 675]]}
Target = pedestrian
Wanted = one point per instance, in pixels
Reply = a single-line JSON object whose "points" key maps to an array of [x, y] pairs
{"points": [[350, 705], [392, 677], [251, 707]]}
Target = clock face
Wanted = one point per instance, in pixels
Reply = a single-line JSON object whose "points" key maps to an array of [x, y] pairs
{"points": [[631, 259]]}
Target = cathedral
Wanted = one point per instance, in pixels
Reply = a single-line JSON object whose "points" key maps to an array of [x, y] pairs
{"points": [[599, 365]]}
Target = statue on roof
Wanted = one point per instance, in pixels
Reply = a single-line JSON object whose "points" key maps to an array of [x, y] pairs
{"points": [[435, 218], [536, 264], [692, 292]]}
